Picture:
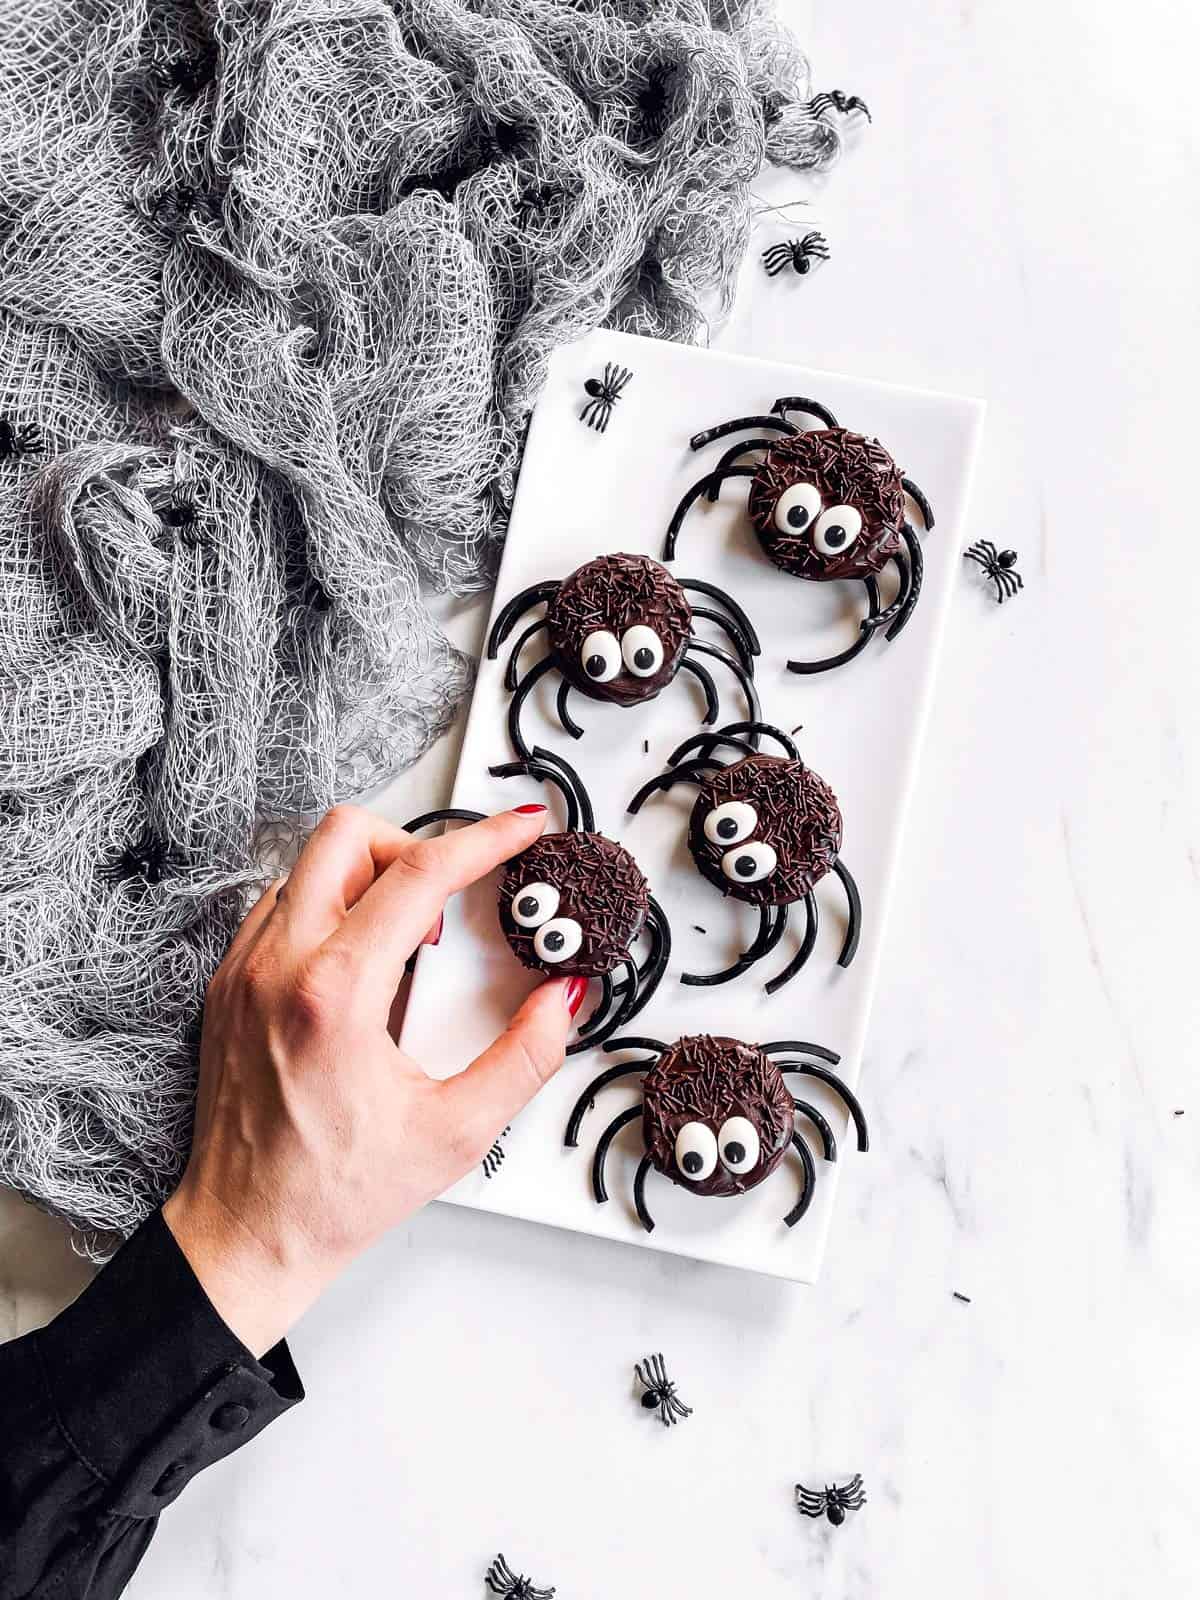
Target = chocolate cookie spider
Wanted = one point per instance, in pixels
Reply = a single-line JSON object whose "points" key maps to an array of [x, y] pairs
{"points": [[764, 829], [717, 1117], [826, 503], [620, 628], [575, 904]]}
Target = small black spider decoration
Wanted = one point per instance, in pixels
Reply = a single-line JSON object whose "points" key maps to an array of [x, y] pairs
{"points": [[180, 511], [765, 829], [503, 1581], [494, 1160], [717, 1117], [654, 102], [825, 503], [149, 858], [604, 392], [833, 1501], [660, 1395], [620, 629], [18, 439], [799, 254], [575, 904], [836, 100], [187, 75], [998, 565]]}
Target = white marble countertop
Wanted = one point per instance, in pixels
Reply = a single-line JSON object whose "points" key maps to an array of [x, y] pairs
{"points": [[1020, 223]]}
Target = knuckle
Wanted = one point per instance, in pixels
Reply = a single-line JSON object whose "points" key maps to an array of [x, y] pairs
{"points": [[426, 858], [258, 974], [344, 819]]}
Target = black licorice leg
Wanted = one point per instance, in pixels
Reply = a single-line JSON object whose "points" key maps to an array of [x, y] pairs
{"points": [[448, 814], [651, 975], [726, 734], [588, 1098], [692, 772], [510, 670], [916, 559], [564, 716], [810, 1182], [599, 1188], [801, 1047], [740, 643], [639, 1194], [712, 706], [753, 709], [828, 1142], [728, 459], [805, 950], [916, 493], [776, 424], [547, 758], [890, 613], [601, 1007], [730, 604], [690, 498], [854, 902], [626, 1008], [635, 1042], [535, 595], [708, 980], [542, 774], [523, 691], [866, 633], [823, 1075], [811, 408]]}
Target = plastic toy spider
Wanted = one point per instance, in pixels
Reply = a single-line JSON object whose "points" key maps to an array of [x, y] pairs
{"points": [[717, 1117], [833, 1501], [826, 503], [503, 1581], [149, 858], [605, 392], [494, 1159], [799, 254], [575, 904], [999, 566], [660, 1395], [180, 511], [620, 629], [19, 439], [837, 100], [764, 829]]}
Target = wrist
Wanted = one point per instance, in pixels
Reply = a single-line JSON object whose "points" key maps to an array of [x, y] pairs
{"points": [[259, 1288]]}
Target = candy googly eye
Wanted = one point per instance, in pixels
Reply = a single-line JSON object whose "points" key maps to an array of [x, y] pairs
{"points": [[730, 823], [696, 1151], [738, 1143], [836, 530], [601, 657], [642, 649], [749, 863], [534, 904], [796, 507], [558, 939]]}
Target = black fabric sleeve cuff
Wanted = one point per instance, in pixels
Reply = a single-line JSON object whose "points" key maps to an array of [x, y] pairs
{"points": [[147, 1383]]}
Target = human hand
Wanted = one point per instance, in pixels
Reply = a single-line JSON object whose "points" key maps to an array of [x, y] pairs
{"points": [[314, 1133]]}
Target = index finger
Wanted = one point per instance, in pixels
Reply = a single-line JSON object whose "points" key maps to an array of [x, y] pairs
{"points": [[385, 926]]}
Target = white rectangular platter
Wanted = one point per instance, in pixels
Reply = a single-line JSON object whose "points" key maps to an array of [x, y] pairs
{"points": [[583, 493]]}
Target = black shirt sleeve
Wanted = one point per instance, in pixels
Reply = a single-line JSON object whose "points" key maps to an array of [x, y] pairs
{"points": [[110, 1410]]}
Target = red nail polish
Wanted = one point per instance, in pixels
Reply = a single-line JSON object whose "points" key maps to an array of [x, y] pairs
{"points": [[437, 929], [528, 811], [575, 991]]}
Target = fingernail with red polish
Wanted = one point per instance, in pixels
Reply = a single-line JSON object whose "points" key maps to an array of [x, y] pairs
{"points": [[435, 932], [574, 993], [528, 811]]}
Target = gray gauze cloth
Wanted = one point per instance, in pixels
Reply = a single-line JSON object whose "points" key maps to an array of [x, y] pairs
{"points": [[278, 285]]}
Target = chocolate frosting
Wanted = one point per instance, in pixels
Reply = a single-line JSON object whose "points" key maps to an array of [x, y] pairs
{"points": [[612, 594], [848, 469], [798, 815], [702, 1078], [600, 886]]}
